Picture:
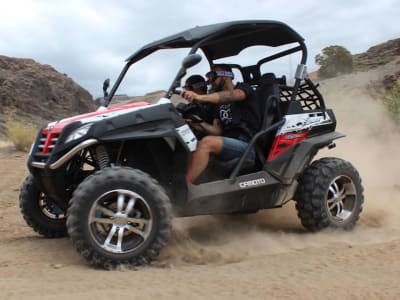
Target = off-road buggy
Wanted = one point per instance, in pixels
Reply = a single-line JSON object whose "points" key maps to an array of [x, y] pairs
{"points": [[113, 179]]}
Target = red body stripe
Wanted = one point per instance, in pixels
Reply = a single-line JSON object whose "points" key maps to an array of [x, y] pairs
{"points": [[284, 141], [55, 130]]}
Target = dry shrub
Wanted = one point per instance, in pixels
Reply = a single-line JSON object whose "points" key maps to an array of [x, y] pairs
{"points": [[4, 143], [21, 134], [392, 101]]}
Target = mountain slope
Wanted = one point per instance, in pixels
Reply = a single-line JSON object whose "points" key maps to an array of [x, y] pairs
{"points": [[38, 93], [377, 55]]}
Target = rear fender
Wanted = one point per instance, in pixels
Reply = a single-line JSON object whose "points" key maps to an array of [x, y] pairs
{"points": [[290, 164]]}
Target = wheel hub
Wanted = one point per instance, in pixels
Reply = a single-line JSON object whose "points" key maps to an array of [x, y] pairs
{"points": [[341, 197], [120, 220], [50, 209]]}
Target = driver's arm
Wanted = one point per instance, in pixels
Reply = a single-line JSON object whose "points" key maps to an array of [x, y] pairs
{"points": [[222, 97]]}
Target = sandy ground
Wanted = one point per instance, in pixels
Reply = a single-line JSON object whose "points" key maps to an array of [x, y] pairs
{"points": [[262, 256]]}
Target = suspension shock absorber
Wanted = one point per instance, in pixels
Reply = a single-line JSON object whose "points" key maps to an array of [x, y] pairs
{"points": [[102, 157]]}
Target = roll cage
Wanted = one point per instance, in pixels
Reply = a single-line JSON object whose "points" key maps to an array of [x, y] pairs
{"points": [[224, 40]]}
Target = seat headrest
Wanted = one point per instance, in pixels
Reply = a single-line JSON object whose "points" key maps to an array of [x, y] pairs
{"points": [[268, 78]]}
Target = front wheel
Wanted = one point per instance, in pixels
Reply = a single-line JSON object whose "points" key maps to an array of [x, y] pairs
{"points": [[40, 212], [330, 194], [119, 216]]}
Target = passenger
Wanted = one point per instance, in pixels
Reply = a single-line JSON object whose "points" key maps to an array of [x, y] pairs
{"points": [[204, 111], [235, 122]]}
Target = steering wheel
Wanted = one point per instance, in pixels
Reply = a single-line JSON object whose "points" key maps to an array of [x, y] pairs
{"points": [[193, 111]]}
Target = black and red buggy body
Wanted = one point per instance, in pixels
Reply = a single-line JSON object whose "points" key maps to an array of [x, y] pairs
{"points": [[113, 179]]}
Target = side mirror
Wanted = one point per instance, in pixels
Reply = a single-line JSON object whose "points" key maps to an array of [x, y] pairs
{"points": [[106, 85], [191, 60]]}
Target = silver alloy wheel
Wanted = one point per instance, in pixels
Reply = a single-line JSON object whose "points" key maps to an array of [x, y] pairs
{"points": [[50, 210], [341, 198], [120, 221]]}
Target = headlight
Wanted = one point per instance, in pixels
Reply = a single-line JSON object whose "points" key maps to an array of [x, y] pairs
{"points": [[78, 133]]}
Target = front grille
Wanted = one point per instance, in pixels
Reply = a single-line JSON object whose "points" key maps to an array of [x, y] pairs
{"points": [[47, 142]]}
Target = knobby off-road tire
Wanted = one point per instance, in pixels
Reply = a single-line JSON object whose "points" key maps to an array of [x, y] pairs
{"points": [[119, 216], [39, 213], [330, 194]]}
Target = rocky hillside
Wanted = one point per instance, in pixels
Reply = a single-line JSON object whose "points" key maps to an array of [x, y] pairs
{"points": [[377, 55], [38, 93], [374, 57]]}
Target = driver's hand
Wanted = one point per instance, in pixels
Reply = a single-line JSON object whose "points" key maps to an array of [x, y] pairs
{"points": [[196, 126], [189, 96], [196, 119]]}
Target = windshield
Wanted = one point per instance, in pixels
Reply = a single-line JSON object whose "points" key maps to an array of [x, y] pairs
{"points": [[156, 72], [153, 73]]}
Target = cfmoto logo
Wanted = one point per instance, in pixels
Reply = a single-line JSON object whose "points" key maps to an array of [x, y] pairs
{"points": [[250, 183]]}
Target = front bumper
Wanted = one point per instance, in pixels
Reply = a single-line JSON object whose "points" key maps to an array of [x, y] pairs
{"points": [[66, 157], [52, 172]]}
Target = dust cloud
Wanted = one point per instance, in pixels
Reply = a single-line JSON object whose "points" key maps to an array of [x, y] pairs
{"points": [[371, 144]]}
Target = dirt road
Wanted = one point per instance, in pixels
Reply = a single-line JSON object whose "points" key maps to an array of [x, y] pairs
{"points": [[263, 256]]}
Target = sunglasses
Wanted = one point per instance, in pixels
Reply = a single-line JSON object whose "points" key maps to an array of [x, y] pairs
{"points": [[193, 86], [213, 75]]}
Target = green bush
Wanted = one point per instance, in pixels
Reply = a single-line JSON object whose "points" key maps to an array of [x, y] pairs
{"points": [[334, 60], [21, 135], [392, 101]]}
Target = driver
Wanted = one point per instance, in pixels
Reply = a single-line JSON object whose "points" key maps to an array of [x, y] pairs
{"points": [[197, 84], [235, 122]]}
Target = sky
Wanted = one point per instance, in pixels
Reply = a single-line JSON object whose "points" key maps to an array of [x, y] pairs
{"points": [[89, 40]]}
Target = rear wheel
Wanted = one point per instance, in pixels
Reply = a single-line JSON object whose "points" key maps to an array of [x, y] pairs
{"points": [[40, 212], [119, 216], [330, 194]]}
